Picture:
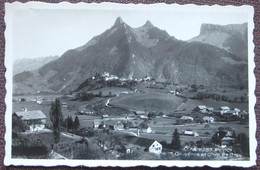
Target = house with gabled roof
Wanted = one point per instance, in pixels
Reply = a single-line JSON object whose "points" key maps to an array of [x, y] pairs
{"points": [[187, 118], [35, 119], [201, 108], [144, 144], [114, 125], [105, 117], [208, 119], [224, 109]]}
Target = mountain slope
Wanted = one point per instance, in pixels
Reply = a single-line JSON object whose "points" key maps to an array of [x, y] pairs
{"points": [[28, 64], [232, 38], [136, 53]]}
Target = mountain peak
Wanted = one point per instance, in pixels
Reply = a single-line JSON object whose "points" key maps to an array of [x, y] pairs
{"points": [[119, 21], [148, 24]]}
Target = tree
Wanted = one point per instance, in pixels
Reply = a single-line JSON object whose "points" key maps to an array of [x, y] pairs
{"points": [[151, 115], [56, 119], [76, 123], [176, 142], [69, 123], [18, 125], [244, 143]]}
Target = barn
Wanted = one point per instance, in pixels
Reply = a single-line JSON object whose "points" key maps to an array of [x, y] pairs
{"points": [[35, 119]]}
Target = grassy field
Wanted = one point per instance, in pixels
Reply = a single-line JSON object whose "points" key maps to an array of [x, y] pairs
{"points": [[164, 130], [147, 101]]}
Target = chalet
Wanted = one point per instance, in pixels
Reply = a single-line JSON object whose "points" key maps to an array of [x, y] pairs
{"points": [[114, 125], [96, 124], [224, 109], [86, 111], [210, 109], [228, 113], [146, 130], [190, 133], [105, 117], [201, 108], [243, 114], [226, 138], [237, 111], [36, 119], [138, 113], [143, 117], [208, 119], [145, 144], [129, 148], [174, 92], [187, 118], [226, 141]]}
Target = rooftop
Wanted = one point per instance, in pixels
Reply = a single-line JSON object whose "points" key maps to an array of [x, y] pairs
{"points": [[30, 115]]}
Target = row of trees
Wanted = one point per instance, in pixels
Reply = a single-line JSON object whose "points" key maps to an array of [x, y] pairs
{"points": [[71, 124], [57, 120], [218, 97]]}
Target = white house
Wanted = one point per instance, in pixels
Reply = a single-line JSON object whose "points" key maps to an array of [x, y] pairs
{"points": [[105, 117], [224, 109], [187, 118], [190, 133], [201, 108], [208, 119], [237, 111], [146, 130], [145, 144], [36, 119]]}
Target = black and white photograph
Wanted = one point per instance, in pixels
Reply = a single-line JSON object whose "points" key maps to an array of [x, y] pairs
{"points": [[129, 84]]}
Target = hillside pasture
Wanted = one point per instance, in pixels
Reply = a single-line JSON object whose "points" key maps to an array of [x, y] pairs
{"points": [[147, 102]]}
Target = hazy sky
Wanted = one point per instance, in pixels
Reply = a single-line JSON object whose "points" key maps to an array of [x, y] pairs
{"points": [[45, 32]]}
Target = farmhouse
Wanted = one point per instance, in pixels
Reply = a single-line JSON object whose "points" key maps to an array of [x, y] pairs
{"points": [[227, 141], [129, 148], [144, 144], [36, 119], [104, 117], [87, 111], [96, 124], [114, 125], [210, 109], [190, 133], [236, 111], [201, 108], [146, 130], [187, 118], [226, 137], [228, 113], [174, 92], [224, 109], [138, 113], [243, 115], [208, 119]]}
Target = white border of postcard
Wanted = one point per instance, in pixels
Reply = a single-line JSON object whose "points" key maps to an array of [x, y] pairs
{"points": [[11, 8]]}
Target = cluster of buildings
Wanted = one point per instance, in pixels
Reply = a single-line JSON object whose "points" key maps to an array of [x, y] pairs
{"points": [[222, 111]]}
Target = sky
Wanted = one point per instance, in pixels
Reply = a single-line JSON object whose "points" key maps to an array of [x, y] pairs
{"points": [[49, 32]]}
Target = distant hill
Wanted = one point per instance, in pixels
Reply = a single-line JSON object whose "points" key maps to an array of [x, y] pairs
{"points": [[137, 53], [28, 64], [232, 38]]}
